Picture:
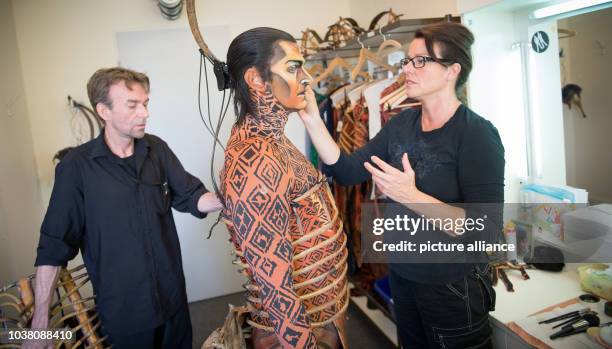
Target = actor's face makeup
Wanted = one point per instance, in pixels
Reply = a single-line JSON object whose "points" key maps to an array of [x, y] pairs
{"points": [[289, 77]]}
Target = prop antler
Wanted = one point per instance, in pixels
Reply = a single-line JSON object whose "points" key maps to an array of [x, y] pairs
{"points": [[219, 67], [195, 30]]}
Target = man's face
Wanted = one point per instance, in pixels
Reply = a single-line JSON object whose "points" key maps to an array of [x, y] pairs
{"points": [[287, 74], [128, 114]]}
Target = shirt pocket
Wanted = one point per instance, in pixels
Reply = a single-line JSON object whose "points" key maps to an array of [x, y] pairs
{"points": [[158, 196]]}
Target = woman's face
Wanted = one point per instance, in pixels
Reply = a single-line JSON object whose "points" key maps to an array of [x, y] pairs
{"points": [[287, 76], [427, 80]]}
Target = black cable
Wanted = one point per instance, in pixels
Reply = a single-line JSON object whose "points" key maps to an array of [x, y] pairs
{"points": [[212, 159], [214, 131], [209, 129], [222, 114], [208, 99]]}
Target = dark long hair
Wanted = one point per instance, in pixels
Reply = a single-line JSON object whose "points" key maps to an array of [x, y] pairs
{"points": [[454, 41], [253, 48]]}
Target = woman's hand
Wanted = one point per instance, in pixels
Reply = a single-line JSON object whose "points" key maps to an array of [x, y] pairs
{"points": [[397, 185], [326, 146], [311, 112]]}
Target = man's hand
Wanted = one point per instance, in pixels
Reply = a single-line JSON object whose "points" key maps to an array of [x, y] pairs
{"points": [[209, 202], [46, 279]]}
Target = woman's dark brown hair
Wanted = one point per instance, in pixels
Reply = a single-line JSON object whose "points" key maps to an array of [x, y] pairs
{"points": [[454, 41]]}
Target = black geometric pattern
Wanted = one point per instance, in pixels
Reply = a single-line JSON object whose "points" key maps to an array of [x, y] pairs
{"points": [[243, 220], [250, 154], [277, 216], [282, 304], [269, 172], [268, 266], [251, 257], [258, 199], [284, 250], [239, 178], [266, 289], [261, 239], [292, 337]]}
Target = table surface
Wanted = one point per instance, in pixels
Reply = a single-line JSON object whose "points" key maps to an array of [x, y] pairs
{"points": [[542, 290]]}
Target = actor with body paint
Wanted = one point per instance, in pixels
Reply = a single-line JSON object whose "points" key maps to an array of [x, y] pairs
{"points": [[281, 215]]}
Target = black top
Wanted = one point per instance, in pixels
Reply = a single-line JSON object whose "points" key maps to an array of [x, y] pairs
{"points": [[460, 162], [124, 227], [130, 164]]}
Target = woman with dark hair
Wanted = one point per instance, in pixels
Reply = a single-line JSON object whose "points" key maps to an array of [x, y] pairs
{"points": [[426, 159], [282, 219]]}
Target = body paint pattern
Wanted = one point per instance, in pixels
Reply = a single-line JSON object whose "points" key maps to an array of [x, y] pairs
{"points": [[286, 232]]}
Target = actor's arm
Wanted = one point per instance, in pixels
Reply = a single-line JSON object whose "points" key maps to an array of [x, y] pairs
{"points": [[260, 214]]}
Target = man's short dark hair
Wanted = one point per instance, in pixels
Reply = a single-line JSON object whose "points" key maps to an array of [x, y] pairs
{"points": [[100, 82]]}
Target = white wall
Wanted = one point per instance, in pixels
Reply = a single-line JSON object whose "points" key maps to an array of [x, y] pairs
{"points": [[588, 143], [364, 10], [546, 107], [20, 208], [495, 88], [465, 6]]}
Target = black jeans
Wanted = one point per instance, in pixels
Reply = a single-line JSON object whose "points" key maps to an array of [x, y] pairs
{"points": [[452, 315], [176, 333]]}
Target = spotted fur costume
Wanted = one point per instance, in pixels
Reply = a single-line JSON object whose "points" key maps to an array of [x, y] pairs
{"points": [[287, 235]]}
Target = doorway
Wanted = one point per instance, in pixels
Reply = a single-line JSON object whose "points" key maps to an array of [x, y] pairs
{"points": [[585, 52]]}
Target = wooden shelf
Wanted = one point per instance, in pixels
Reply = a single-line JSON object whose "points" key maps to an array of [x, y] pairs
{"points": [[402, 31]]}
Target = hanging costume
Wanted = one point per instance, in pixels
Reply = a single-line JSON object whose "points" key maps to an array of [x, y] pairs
{"points": [[286, 232]]}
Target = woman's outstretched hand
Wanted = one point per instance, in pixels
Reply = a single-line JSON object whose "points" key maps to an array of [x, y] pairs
{"points": [[311, 112]]}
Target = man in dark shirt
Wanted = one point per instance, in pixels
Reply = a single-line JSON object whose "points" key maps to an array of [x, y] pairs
{"points": [[112, 199]]}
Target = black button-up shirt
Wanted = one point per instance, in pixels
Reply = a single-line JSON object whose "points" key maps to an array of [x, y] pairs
{"points": [[124, 227]]}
